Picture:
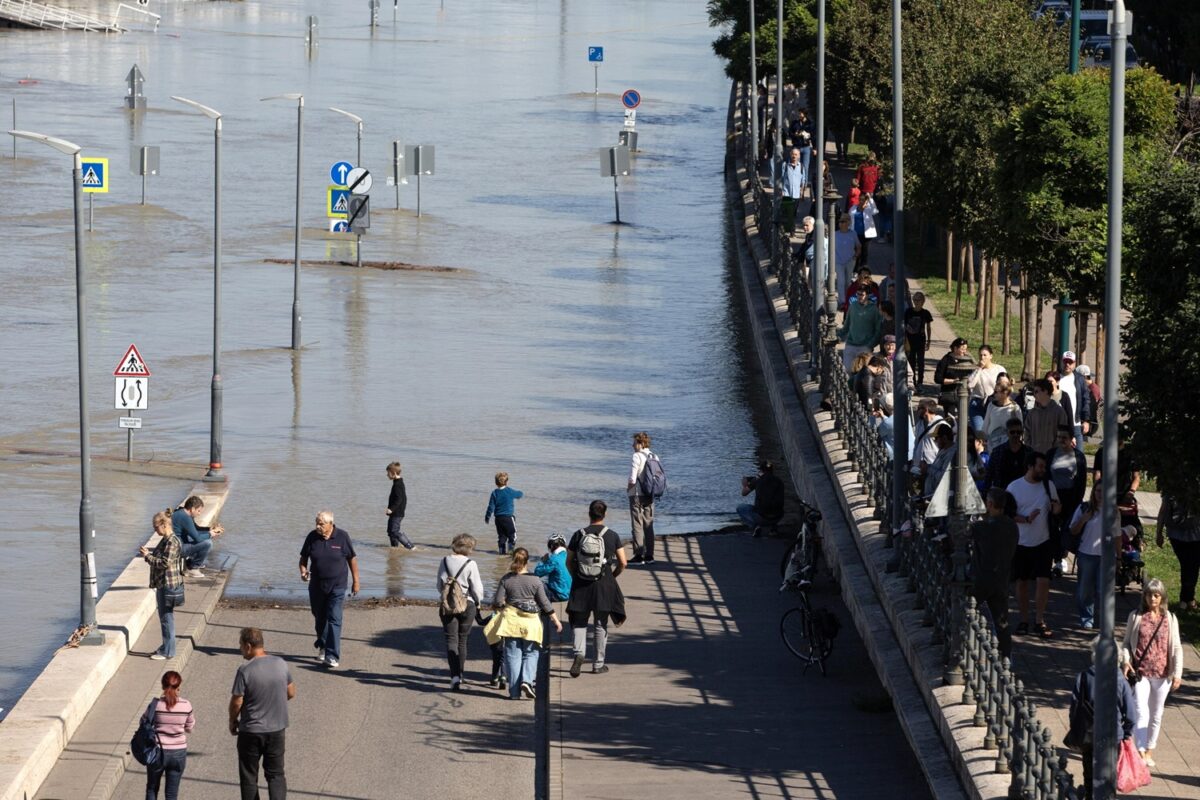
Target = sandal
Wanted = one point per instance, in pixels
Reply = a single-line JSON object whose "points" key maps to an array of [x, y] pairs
{"points": [[1043, 631], [1022, 629]]}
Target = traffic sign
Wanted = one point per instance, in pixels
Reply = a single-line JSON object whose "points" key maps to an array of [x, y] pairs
{"points": [[339, 172], [595, 54], [338, 226], [134, 423], [132, 394], [132, 365], [338, 205], [358, 180], [95, 175], [631, 98]]}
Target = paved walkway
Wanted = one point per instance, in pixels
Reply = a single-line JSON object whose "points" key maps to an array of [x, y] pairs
{"points": [[703, 701]]}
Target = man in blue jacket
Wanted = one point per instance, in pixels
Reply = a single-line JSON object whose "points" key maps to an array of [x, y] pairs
{"points": [[197, 542], [1076, 387]]}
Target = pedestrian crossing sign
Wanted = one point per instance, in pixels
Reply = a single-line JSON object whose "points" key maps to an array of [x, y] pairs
{"points": [[95, 175], [338, 206]]}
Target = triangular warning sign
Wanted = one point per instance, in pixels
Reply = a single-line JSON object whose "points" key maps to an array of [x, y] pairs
{"points": [[132, 365], [341, 206], [90, 178]]}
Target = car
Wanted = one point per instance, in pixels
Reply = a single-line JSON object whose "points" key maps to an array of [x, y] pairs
{"points": [[1091, 23], [1051, 7], [1097, 52]]}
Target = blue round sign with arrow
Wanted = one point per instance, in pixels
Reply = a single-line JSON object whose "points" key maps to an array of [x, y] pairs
{"points": [[339, 171], [631, 98]]}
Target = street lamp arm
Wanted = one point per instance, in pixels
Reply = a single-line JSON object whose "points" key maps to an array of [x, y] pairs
{"points": [[61, 145], [288, 96], [211, 113], [354, 117]]}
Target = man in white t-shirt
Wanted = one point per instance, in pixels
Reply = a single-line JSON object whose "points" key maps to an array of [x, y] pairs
{"points": [[1087, 525], [1073, 385], [1036, 500]]}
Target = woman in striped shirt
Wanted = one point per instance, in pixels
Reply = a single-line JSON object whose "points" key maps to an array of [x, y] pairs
{"points": [[173, 720]]}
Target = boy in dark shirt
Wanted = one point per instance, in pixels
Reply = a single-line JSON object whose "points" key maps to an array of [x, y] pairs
{"points": [[918, 331], [397, 504]]}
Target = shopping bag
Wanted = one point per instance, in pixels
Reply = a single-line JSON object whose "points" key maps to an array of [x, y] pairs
{"points": [[1132, 772]]}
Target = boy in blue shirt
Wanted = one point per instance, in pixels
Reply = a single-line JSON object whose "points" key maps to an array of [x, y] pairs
{"points": [[502, 505], [552, 568]]}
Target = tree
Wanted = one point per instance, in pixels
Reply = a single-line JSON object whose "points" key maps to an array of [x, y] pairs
{"points": [[1162, 293], [1051, 175], [733, 45], [858, 70]]}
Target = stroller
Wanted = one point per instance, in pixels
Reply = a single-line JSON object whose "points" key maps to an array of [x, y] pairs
{"points": [[1130, 566]]}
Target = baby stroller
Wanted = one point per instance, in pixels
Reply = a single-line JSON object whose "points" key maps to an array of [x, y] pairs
{"points": [[1129, 558]]}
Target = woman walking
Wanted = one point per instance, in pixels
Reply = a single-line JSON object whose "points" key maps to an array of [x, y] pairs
{"points": [[1156, 663], [460, 567], [1182, 527], [521, 599], [173, 721], [166, 579]]}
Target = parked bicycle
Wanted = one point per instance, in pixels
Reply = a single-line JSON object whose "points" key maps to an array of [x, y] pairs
{"points": [[806, 631]]}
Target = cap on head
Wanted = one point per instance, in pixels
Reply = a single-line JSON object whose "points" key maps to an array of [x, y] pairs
{"points": [[1084, 370], [1069, 356]]}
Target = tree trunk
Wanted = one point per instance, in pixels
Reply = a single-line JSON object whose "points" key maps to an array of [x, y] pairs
{"points": [[993, 277], [981, 293], [1082, 320], [984, 298], [1028, 318], [1037, 339], [949, 260], [962, 263], [970, 268], [1006, 341], [1098, 367]]}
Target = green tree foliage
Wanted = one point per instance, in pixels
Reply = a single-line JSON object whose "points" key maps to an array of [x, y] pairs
{"points": [[1052, 174], [1162, 292], [733, 44], [858, 71], [968, 66]]}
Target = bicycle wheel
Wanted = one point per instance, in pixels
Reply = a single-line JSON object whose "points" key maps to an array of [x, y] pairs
{"points": [[795, 628]]}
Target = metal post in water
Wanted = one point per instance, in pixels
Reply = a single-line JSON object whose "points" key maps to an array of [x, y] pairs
{"points": [[296, 272], [14, 127], [358, 250], [612, 160], [596, 79], [900, 396], [91, 211], [1105, 753], [129, 444]]}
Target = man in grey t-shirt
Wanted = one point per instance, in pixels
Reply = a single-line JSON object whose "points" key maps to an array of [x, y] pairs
{"points": [[258, 716]]}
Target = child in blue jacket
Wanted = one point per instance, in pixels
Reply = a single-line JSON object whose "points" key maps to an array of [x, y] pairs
{"points": [[552, 568], [502, 505]]}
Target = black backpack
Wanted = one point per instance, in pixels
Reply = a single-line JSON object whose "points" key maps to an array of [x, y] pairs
{"points": [[652, 481], [144, 745]]}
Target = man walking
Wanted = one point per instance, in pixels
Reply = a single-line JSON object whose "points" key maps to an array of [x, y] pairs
{"points": [[1036, 500], [995, 542], [595, 558], [641, 506], [1074, 385], [1044, 419], [197, 542], [329, 551], [792, 189], [258, 716], [1007, 462]]}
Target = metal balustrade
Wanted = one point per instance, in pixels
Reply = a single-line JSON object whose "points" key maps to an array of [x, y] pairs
{"points": [[932, 558]]}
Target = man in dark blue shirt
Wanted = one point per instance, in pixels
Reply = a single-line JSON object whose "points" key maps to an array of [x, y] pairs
{"points": [[197, 542], [328, 551]]}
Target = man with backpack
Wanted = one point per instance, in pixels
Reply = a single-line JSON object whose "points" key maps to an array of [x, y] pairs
{"points": [[647, 482], [1082, 716], [595, 558]]}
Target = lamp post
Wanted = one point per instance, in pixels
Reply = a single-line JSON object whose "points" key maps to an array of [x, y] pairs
{"points": [[778, 166], [1105, 753], [214, 474], [299, 98], [753, 88], [1064, 316], [821, 260], [357, 120], [901, 400], [88, 589]]}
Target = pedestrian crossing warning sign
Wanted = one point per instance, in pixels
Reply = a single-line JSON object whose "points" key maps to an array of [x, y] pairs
{"points": [[338, 206], [95, 175], [132, 365]]}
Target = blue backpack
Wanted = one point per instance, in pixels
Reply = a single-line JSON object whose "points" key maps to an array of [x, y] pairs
{"points": [[652, 481], [144, 745]]}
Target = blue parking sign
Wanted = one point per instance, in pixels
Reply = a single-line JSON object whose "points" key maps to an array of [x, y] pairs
{"points": [[595, 54]]}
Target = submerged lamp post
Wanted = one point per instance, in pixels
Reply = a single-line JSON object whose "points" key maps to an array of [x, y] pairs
{"points": [[299, 98]]}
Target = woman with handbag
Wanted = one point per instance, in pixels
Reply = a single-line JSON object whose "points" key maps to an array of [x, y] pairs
{"points": [[173, 720], [1156, 663], [166, 579], [521, 601]]}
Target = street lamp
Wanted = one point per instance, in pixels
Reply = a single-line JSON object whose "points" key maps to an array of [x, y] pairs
{"points": [[753, 89], [358, 163], [901, 400], [821, 261], [87, 529], [214, 474], [299, 98]]}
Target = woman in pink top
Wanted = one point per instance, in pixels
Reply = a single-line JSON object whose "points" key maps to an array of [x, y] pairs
{"points": [[173, 720]]}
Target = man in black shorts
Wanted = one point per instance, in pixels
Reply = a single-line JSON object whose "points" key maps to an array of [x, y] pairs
{"points": [[1036, 500]]}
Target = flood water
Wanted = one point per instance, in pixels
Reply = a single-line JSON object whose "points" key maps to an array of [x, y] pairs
{"points": [[556, 336]]}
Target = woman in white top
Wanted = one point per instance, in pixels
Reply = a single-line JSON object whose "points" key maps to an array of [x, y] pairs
{"points": [[1087, 526], [982, 384], [1155, 652], [1000, 409], [460, 567]]}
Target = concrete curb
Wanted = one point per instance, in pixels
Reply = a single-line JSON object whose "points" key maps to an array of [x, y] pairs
{"points": [[960, 745], [41, 724]]}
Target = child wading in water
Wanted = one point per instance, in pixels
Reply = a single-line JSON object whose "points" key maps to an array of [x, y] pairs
{"points": [[397, 503], [502, 505]]}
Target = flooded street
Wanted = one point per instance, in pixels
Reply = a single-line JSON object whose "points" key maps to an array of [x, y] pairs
{"points": [[554, 337]]}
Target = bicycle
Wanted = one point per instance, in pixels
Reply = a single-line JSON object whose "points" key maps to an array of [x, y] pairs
{"points": [[807, 632], [799, 564]]}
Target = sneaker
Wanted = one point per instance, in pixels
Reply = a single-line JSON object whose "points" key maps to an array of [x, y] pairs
{"points": [[319, 653], [332, 663], [648, 560], [527, 691], [576, 666], [503, 684], [455, 683], [636, 560], [494, 682], [1058, 569], [193, 573], [600, 670], [157, 657]]}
